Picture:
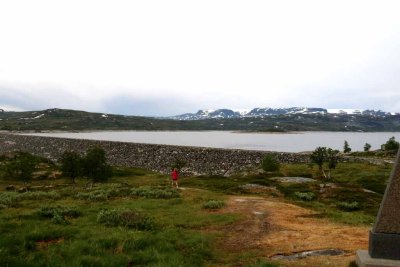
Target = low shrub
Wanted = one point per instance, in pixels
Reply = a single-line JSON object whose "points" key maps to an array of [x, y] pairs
{"points": [[213, 204], [97, 195], [49, 211], [58, 214], [126, 218], [156, 193], [349, 206], [11, 199], [137, 220], [108, 217], [59, 219], [39, 195], [306, 196], [8, 199], [106, 192], [270, 164], [391, 145]]}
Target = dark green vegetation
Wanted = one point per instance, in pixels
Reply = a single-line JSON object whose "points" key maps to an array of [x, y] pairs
{"points": [[270, 164], [388, 150], [60, 119], [137, 219], [323, 155], [346, 147], [350, 182], [93, 165], [391, 144], [121, 228], [367, 147], [21, 166]]}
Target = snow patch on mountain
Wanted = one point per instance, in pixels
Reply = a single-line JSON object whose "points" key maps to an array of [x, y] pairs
{"points": [[38, 116], [345, 111], [268, 111]]}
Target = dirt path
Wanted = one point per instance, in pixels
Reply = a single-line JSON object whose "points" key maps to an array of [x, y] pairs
{"points": [[274, 228]]}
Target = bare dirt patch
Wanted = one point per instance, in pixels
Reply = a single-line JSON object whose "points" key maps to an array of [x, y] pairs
{"points": [[275, 228], [44, 244]]}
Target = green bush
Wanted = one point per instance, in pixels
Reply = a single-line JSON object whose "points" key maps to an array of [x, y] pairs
{"points": [[367, 147], [97, 195], [135, 219], [103, 194], [71, 165], [125, 218], [39, 195], [21, 166], [213, 204], [59, 219], [50, 211], [156, 193], [306, 196], [391, 144], [346, 147], [58, 214], [94, 165], [349, 206], [270, 164], [8, 199], [108, 217]]}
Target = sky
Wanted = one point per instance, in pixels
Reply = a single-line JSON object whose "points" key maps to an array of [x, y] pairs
{"points": [[162, 58]]}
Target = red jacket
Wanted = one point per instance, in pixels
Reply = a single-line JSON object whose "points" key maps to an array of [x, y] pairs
{"points": [[174, 175]]}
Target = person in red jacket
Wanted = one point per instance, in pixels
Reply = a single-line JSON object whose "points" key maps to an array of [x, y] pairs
{"points": [[175, 176]]}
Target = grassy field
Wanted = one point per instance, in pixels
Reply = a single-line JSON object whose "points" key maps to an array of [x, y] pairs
{"points": [[137, 219]]}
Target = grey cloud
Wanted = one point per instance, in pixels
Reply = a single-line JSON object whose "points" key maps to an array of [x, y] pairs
{"points": [[159, 106], [37, 97]]}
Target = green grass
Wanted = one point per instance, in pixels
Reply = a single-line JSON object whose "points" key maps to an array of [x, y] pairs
{"points": [[351, 180], [155, 227], [137, 219]]}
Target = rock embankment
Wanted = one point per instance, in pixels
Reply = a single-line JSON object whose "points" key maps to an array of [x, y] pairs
{"points": [[154, 157]]}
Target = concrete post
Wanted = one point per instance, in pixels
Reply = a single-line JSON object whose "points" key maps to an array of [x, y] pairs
{"points": [[384, 238]]}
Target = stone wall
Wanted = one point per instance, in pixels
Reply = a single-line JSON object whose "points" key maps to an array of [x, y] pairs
{"points": [[154, 157]]}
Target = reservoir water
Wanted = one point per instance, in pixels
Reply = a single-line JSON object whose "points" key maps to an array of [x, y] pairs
{"points": [[282, 142]]}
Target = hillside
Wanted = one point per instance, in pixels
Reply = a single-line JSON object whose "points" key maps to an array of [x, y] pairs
{"points": [[72, 120], [137, 219]]}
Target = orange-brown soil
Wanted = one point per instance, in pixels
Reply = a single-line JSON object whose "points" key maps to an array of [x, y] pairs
{"points": [[272, 227]]}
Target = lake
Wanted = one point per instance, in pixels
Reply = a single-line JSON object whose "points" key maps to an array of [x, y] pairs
{"points": [[283, 142]]}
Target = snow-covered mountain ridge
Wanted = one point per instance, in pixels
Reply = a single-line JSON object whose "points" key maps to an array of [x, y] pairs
{"points": [[263, 112]]}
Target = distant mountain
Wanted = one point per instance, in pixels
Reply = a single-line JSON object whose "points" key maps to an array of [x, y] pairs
{"points": [[263, 112], [258, 119], [208, 114], [284, 111]]}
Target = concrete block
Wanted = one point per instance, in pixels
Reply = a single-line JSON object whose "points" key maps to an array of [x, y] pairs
{"points": [[365, 260]]}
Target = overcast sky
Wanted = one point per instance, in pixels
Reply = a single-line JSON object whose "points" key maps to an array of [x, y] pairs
{"points": [[171, 57]]}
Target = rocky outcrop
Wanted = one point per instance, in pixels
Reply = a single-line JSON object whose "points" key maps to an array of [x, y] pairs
{"points": [[154, 157]]}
